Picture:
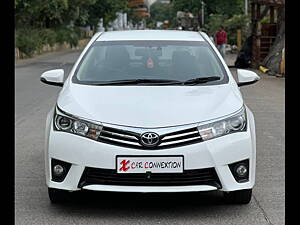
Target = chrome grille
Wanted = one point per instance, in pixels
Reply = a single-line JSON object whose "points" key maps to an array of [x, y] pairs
{"points": [[131, 137], [182, 136], [120, 136]]}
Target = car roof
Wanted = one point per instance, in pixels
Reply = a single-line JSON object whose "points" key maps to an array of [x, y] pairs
{"points": [[172, 35]]}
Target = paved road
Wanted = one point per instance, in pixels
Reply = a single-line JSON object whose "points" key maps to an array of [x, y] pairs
{"points": [[34, 99]]}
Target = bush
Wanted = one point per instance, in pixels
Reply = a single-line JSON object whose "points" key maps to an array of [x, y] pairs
{"points": [[74, 36], [28, 41], [47, 36], [68, 34], [61, 35]]}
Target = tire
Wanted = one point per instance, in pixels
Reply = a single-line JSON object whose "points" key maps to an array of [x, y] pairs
{"points": [[238, 197], [57, 195]]}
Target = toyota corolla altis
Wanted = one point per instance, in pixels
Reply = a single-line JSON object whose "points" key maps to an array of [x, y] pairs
{"points": [[150, 111]]}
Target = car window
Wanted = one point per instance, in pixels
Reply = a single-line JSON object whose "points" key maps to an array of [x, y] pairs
{"points": [[172, 60]]}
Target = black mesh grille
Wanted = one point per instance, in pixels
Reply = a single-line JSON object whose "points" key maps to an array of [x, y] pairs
{"points": [[206, 176]]}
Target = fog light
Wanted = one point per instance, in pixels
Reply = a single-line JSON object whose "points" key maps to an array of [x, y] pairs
{"points": [[241, 170], [58, 170]]}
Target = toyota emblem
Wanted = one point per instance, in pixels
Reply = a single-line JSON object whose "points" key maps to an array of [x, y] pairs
{"points": [[149, 139]]}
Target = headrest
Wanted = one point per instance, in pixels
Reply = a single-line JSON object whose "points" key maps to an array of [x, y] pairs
{"points": [[178, 56]]}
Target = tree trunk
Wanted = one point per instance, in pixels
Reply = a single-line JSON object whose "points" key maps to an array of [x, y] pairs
{"points": [[273, 59]]}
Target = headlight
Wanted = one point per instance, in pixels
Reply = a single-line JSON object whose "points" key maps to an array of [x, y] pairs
{"points": [[63, 123], [71, 124], [232, 124]]}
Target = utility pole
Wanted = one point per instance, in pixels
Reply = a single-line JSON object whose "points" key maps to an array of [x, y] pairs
{"points": [[246, 7], [202, 13]]}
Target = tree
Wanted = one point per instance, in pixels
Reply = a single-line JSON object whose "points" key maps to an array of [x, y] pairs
{"points": [[51, 13], [273, 59], [105, 9], [237, 22], [40, 22], [228, 7], [161, 12]]}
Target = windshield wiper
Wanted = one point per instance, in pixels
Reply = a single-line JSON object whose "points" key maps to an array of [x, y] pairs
{"points": [[200, 80], [193, 81], [138, 81]]}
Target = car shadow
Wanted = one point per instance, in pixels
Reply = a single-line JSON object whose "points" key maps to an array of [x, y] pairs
{"points": [[125, 205], [133, 199]]}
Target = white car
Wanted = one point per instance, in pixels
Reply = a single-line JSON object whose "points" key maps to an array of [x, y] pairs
{"points": [[150, 111]]}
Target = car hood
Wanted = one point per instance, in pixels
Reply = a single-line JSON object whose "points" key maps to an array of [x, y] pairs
{"points": [[150, 106]]}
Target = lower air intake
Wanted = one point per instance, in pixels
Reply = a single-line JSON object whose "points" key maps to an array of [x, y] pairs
{"points": [[206, 176]]}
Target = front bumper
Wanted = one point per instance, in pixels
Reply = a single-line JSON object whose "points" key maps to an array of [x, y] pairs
{"points": [[217, 153]]}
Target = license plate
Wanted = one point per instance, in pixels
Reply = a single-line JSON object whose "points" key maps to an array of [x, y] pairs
{"points": [[165, 164]]}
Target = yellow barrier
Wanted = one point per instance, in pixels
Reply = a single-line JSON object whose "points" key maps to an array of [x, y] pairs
{"points": [[282, 63]]}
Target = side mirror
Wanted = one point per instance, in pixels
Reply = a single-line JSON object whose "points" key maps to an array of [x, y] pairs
{"points": [[246, 77], [53, 77]]}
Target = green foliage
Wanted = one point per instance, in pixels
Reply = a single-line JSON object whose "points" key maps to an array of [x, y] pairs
{"points": [[219, 12], [215, 21], [47, 36], [228, 7], [266, 19], [161, 12], [231, 26], [74, 36], [28, 41], [50, 13], [151, 24], [68, 34], [192, 6], [40, 22], [61, 35], [105, 9], [223, 7]]}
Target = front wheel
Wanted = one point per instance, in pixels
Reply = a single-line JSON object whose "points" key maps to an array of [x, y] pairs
{"points": [[57, 195], [238, 197]]}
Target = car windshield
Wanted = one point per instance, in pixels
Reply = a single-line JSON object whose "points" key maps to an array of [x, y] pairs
{"points": [[154, 61]]}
